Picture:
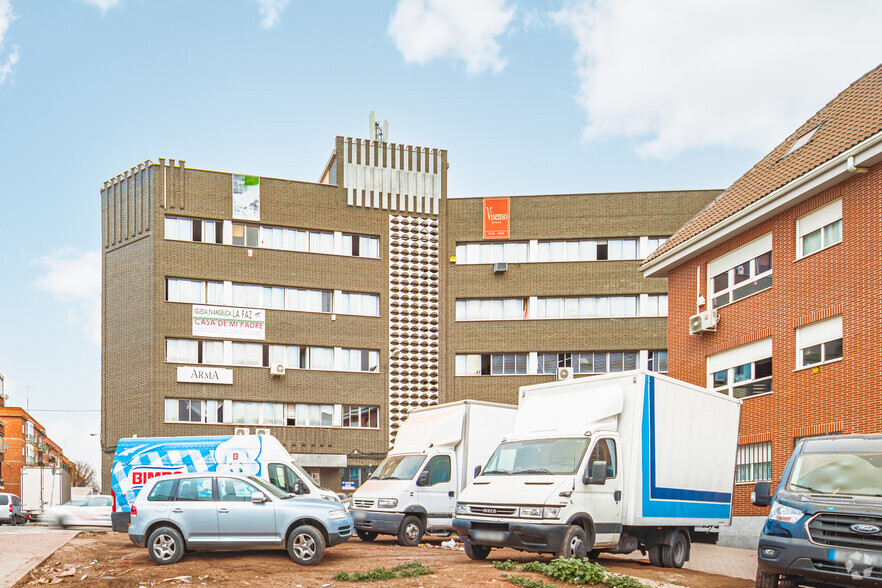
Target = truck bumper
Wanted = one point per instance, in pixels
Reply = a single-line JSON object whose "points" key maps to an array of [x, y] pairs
{"points": [[386, 523], [522, 536], [120, 521], [798, 558]]}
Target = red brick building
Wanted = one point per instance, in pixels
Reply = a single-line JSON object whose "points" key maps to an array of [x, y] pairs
{"points": [[26, 444], [784, 270]]}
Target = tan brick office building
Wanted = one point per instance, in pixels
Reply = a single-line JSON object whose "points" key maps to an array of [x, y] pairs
{"points": [[323, 312]]}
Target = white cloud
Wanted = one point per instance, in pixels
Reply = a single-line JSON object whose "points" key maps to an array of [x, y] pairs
{"points": [[423, 30], [684, 74], [6, 18], [102, 5], [75, 277], [271, 10]]}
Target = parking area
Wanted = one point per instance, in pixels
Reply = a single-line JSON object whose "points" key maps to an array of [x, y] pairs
{"points": [[24, 547], [109, 559]]}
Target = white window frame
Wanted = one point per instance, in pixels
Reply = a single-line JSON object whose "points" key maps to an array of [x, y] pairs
{"points": [[732, 359], [818, 220], [729, 263], [756, 459], [820, 333]]}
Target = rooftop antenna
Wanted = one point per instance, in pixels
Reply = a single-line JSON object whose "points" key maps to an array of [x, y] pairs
{"points": [[375, 132]]}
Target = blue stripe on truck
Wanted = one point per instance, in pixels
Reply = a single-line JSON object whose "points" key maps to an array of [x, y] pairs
{"points": [[673, 502]]}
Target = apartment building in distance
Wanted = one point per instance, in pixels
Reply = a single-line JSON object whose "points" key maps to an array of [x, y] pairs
{"points": [[558, 287], [774, 288], [323, 312], [26, 444]]}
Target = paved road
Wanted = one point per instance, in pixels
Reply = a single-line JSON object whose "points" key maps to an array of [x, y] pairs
{"points": [[713, 559], [25, 547]]}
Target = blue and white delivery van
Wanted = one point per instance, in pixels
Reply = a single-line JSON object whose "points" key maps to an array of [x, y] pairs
{"points": [[139, 459], [620, 462]]}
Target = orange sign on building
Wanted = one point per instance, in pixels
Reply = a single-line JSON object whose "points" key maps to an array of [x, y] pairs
{"points": [[496, 217]]}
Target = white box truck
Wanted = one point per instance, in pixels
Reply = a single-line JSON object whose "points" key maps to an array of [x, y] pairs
{"points": [[616, 463], [138, 459], [42, 488], [436, 454]]}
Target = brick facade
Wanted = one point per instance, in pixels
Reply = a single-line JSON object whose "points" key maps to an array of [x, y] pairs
{"points": [[842, 396], [14, 426]]}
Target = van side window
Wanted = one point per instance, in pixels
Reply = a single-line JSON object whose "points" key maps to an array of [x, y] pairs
{"points": [[605, 450], [439, 470], [4, 500], [284, 478], [190, 489], [163, 491]]}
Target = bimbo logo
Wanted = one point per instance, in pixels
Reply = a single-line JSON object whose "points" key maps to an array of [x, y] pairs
{"points": [[140, 475]]}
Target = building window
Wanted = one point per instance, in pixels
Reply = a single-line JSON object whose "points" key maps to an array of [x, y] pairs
{"points": [[361, 417], [753, 462], [178, 290], [551, 251], [30, 454], [819, 342], [477, 253], [258, 413], [355, 476], [819, 229], [308, 300], [315, 415], [248, 354], [360, 246], [359, 304], [743, 371], [181, 351], [491, 364], [587, 362], [360, 360], [742, 272], [658, 362], [178, 410], [491, 309], [653, 243]]}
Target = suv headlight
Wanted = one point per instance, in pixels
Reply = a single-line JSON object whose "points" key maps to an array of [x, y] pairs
{"points": [[784, 513], [462, 508], [531, 512], [550, 512], [337, 514], [387, 503]]}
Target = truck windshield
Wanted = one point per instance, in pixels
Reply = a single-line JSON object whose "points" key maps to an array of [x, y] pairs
{"points": [[399, 467], [856, 474], [545, 456]]}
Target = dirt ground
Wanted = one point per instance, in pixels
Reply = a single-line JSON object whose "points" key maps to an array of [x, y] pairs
{"points": [[108, 559]]}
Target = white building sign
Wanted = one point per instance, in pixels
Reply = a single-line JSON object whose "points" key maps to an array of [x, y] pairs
{"points": [[204, 375], [229, 322], [246, 197]]}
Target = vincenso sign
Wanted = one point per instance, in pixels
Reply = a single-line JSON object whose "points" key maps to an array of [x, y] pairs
{"points": [[496, 218]]}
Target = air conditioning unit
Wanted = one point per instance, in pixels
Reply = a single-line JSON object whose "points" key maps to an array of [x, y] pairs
{"points": [[564, 373], [500, 267], [277, 369], [261, 431], [242, 431], [703, 321]]}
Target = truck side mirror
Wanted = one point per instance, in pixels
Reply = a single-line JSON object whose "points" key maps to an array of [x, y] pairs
{"points": [[477, 471], [299, 487], [597, 474], [423, 480], [761, 495]]}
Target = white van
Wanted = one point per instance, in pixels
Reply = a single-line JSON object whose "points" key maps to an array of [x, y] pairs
{"points": [[139, 459], [620, 462], [436, 454]]}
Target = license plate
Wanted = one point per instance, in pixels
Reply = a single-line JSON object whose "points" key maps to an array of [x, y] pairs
{"points": [[855, 559], [488, 535]]}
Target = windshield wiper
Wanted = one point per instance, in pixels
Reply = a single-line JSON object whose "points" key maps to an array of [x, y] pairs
{"points": [[534, 471], [487, 472], [809, 488]]}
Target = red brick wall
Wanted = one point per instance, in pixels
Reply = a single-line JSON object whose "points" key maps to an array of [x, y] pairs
{"points": [[846, 279]]}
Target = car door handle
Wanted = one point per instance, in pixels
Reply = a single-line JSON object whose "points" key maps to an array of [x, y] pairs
{"points": [[177, 510], [617, 495], [223, 510]]}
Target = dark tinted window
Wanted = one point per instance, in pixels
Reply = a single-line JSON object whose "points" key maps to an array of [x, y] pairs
{"points": [[4, 499], [163, 490]]}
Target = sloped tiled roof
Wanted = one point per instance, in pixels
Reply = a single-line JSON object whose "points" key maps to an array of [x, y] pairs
{"points": [[851, 117]]}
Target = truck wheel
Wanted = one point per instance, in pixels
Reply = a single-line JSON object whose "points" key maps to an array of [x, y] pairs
{"points": [[655, 556], [165, 545], [306, 546], [366, 535], [674, 555], [476, 552], [764, 580], [575, 544], [411, 531]]}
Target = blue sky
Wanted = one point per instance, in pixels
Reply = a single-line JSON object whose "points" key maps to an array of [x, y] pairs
{"points": [[527, 97]]}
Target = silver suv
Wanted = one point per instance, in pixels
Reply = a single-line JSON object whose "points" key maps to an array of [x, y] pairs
{"points": [[176, 513], [10, 510]]}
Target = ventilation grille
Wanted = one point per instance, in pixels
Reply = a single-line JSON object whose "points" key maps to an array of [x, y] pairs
{"points": [[413, 316]]}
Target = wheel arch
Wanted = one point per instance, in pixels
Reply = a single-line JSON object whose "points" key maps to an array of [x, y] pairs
{"points": [[587, 523], [163, 523], [312, 523]]}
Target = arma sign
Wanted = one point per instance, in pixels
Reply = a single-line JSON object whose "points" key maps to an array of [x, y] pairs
{"points": [[205, 375], [496, 218]]}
